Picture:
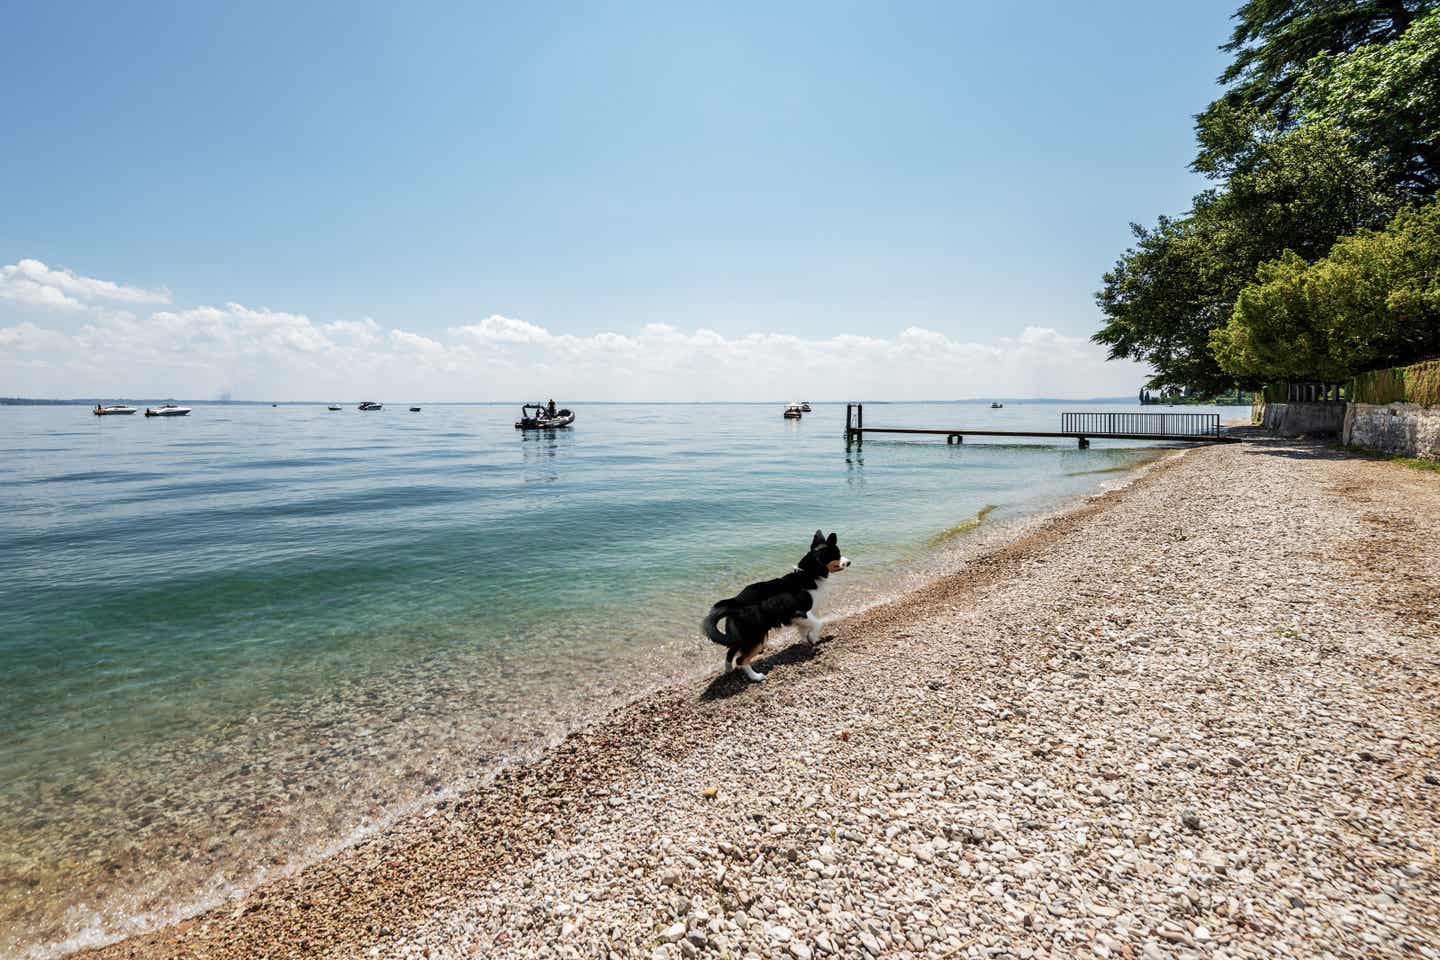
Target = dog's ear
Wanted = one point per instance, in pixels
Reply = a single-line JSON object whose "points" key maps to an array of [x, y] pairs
{"points": [[819, 539], [831, 541]]}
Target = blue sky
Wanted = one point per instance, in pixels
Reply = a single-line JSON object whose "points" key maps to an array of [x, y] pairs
{"points": [[699, 182]]}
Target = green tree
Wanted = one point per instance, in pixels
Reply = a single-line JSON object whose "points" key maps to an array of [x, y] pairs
{"points": [[1299, 190], [1272, 333], [1373, 301], [1273, 43], [1378, 293], [1163, 298], [1179, 282], [1328, 125], [1386, 96]]}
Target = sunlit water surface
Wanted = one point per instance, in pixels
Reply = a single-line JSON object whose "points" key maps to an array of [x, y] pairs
{"points": [[233, 640]]}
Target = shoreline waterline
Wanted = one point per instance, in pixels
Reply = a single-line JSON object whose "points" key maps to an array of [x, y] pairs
{"points": [[936, 562], [426, 694], [1085, 718]]}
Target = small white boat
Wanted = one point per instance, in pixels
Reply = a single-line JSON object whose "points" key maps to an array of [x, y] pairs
{"points": [[371, 405], [794, 411], [113, 410], [167, 410], [996, 406], [805, 406], [334, 406]]}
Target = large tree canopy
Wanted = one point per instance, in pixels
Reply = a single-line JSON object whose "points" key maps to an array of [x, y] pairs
{"points": [[1387, 96], [1373, 301], [1299, 190], [1329, 124], [1163, 298], [1274, 42]]}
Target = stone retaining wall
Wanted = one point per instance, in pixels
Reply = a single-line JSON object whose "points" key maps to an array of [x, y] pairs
{"points": [[1407, 429], [1301, 419]]}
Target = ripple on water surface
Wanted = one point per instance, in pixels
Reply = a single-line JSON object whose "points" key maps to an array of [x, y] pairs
{"points": [[236, 638]]}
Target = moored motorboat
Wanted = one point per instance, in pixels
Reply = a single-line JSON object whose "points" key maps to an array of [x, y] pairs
{"points": [[794, 411], [371, 405], [113, 410], [540, 416], [167, 410], [334, 406], [414, 409], [996, 406], [805, 406]]}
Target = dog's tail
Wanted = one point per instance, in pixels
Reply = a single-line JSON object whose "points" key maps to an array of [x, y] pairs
{"points": [[711, 625]]}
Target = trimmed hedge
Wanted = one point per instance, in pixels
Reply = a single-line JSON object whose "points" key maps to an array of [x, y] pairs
{"points": [[1417, 383], [1379, 386]]}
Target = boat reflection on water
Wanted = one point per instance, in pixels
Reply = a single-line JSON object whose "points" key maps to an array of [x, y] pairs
{"points": [[544, 452]]}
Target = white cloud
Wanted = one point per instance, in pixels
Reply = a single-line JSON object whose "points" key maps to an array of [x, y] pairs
{"points": [[498, 329], [31, 294], [239, 328], [260, 353], [33, 283], [361, 331], [30, 338], [414, 341]]}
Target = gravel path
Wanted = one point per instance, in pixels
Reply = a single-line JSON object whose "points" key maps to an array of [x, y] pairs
{"points": [[1195, 717]]}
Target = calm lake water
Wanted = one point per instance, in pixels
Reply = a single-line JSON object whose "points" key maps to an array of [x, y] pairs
{"points": [[234, 640]]}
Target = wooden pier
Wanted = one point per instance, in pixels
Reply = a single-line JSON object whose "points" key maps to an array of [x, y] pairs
{"points": [[1079, 426]]}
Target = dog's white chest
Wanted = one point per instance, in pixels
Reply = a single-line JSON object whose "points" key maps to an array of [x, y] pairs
{"points": [[817, 595]]}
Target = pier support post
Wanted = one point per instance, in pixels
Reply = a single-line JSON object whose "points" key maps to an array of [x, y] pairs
{"points": [[849, 408], [1084, 444]]}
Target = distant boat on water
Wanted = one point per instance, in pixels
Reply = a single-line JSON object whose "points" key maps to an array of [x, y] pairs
{"points": [[996, 406], [794, 411], [538, 416], [113, 410], [167, 410], [805, 406], [371, 405], [414, 409], [334, 406]]}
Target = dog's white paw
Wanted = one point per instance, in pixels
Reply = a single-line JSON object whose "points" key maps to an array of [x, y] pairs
{"points": [[753, 674]]}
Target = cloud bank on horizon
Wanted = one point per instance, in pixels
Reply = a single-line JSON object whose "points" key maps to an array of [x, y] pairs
{"points": [[67, 335]]}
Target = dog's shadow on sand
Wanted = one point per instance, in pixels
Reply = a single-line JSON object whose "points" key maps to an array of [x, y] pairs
{"points": [[732, 682]]}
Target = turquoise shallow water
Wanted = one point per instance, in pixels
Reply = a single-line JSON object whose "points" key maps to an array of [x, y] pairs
{"points": [[233, 639]]}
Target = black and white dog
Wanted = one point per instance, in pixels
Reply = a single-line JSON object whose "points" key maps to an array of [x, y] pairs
{"points": [[751, 614]]}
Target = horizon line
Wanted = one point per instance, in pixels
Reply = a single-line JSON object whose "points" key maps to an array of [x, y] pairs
{"points": [[66, 401]]}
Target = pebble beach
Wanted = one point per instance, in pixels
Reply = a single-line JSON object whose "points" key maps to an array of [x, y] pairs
{"points": [[1196, 716]]}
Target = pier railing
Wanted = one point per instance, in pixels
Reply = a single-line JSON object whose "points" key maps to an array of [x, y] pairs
{"points": [[1080, 427], [1150, 424]]}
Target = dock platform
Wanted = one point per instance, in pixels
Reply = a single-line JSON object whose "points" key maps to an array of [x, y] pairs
{"points": [[1080, 426]]}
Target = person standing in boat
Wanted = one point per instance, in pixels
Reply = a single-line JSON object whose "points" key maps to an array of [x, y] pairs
{"points": [[551, 407]]}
